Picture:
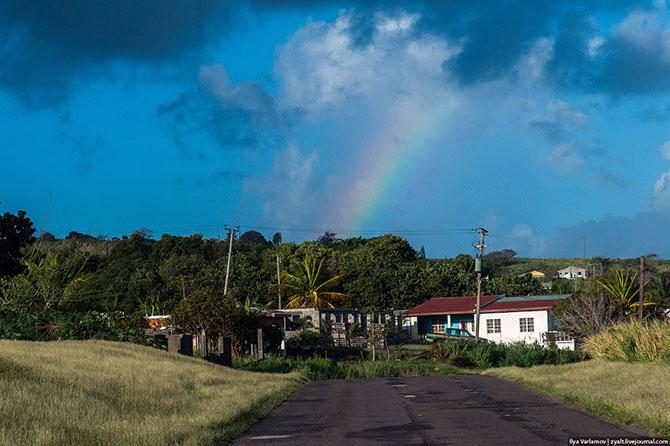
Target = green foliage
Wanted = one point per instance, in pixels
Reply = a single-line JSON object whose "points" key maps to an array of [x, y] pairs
{"points": [[317, 368], [306, 288], [16, 232], [483, 354]]}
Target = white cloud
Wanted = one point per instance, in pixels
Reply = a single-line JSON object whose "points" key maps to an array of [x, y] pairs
{"points": [[564, 158], [528, 241], [593, 46], [247, 95], [665, 150], [403, 22], [288, 189], [647, 31], [662, 192], [567, 113], [321, 67], [531, 67]]}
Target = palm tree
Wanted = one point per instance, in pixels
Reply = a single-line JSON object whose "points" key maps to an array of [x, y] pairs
{"points": [[305, 288], [623, 287]]}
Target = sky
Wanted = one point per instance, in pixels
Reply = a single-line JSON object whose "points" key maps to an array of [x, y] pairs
{"points": [[545, 122]]}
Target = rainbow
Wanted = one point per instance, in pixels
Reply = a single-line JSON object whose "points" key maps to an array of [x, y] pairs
{"points": [[387, 165]]}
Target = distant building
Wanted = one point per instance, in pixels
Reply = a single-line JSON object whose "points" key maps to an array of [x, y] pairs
{"points": [[503, 318], [535, 274], [572, 272]]}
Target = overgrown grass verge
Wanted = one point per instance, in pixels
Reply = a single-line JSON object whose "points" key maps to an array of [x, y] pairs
{"points": [[107, 393], [483, 355], [633, 394], [321, 368], [632, 341]]}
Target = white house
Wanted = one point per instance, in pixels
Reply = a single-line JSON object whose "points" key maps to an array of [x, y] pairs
{"points": [[502, 319], [572, 272]]}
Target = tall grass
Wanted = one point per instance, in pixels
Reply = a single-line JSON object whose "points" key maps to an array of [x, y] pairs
{"points": [[632, 341], [107, 393], [316, 368], [636, 394]]}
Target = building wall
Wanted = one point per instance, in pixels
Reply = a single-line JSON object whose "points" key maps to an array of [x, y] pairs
{"points": [[510, 326]]}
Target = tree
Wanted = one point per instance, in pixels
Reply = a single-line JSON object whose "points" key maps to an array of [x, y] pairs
{"points": [[623, 288], [253, 237], [16, 232], [588, 312], [329, 239], [277, 239], [306, 289]]}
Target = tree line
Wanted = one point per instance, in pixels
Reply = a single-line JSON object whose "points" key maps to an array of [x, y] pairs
{"points": [[81, 285]]}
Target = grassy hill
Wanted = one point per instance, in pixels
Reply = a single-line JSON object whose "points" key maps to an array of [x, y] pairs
{"points": [[521, 265], [105, 393]]}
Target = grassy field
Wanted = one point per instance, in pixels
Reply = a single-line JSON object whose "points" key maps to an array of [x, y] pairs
{"points": [[635, 394], [104, 393]]}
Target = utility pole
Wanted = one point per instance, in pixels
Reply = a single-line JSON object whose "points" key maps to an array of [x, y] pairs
{"points": [[641, 292], [232, 231], [478, 269], [278, 282]]}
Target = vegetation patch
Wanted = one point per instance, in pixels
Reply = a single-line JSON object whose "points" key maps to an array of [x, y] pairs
{"points": [[107, 393], [632, 341], [316, 368], [483, 354], [634, 394]]}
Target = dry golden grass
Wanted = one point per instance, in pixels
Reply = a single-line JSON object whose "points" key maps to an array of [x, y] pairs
{"points": [[635, 394], [106, 393], [632, 341]]}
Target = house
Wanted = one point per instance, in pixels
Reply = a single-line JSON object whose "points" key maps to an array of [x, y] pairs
{"points": [[572, 272], [534, 274], [334, 320], [502, 318]]}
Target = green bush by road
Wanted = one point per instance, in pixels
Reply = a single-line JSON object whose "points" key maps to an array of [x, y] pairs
{"points": [[481, 354]]}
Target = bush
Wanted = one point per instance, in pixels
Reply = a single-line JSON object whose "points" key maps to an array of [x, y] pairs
{"points": [[631, 341], [483, 354]]}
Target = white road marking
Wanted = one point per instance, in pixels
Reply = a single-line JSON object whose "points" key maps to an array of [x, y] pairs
{"points": [[270, 437], [398, 385], [410, 396]]}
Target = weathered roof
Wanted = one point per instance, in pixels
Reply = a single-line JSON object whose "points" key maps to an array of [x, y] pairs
{"points": [[449, 305], [489, 304]]}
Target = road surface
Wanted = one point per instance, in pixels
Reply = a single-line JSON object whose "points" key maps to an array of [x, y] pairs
{"points": [[455, 410]]}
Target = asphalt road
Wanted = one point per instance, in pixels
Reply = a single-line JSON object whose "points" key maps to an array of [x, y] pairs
{"points": [[458, 410]]}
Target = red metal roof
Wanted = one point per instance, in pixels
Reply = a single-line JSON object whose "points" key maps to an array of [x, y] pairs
{"points": [[502, 306], [449, 305]]}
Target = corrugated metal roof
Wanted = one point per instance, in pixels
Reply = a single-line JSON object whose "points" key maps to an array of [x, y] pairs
{"points": [[449, 305], [527, 298], [489, 304], [502, 306]]}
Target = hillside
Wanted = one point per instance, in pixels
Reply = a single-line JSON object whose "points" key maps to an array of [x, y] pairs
{"points": [[107, 393]]}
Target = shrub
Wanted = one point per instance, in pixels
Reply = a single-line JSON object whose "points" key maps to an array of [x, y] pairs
{"points": [[631, 341], [482, 354]]}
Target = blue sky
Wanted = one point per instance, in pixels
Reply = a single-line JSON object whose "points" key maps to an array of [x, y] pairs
{"points": [[548, 123]]}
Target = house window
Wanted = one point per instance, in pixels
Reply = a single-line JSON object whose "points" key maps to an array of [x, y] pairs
{"points": [[437, 325], [526, 324], [493, 326]]}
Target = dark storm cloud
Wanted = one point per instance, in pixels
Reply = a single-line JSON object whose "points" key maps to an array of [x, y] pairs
{"points": [[240, 115], [46, 44], [631, 69]]}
